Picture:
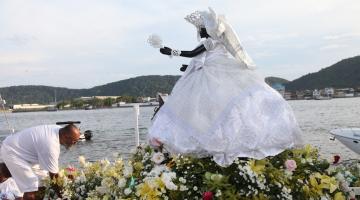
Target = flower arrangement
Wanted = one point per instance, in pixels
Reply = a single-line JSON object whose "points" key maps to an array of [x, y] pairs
{"points": [[153, 175], [348, 175]]}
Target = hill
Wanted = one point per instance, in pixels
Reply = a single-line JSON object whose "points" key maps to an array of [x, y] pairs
{"points": [[272, 80], [138, 86], [345, 73]]}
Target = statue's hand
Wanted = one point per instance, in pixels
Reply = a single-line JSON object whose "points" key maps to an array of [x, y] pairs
{"points": [[183, 68], [165, 50]]}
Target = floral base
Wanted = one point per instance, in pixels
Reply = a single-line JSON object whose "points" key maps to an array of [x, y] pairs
{"points": [[293, 174]]}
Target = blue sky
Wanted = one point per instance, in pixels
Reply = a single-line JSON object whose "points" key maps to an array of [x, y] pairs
{"points": [[84, 43]]}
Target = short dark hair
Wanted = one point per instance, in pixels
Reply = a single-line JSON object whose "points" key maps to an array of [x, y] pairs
{"points": [[69, 128], [4, 171]]}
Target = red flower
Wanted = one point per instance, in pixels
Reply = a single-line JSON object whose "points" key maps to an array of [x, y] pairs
{"points": [[336, 159], [208, 195]]}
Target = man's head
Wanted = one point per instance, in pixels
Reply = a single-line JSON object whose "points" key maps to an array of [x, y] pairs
{"points": [[4, 172], [69, 135]]}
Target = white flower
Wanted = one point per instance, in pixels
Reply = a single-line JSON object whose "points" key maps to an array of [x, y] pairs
{"points": [[82, 160], [218, 193], [107, 182], [183, 188], [82, 188], [122, 182], [82, 178], [105, 163], [167, 178], [182, 180], [101, 189], [127, 191], [158, 157], [195, 188], [128, 170], [157, 170]]}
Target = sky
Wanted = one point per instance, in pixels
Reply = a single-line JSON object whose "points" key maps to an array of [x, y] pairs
{"points": [[85, 43]]}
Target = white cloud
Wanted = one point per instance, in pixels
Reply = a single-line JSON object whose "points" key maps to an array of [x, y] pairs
{"points": [[333, 46], [341, 36], [19, 58]]}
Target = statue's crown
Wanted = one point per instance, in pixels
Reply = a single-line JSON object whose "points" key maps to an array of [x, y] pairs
{"points": [[196, 19]]}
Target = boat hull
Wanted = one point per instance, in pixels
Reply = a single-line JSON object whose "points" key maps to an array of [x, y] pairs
{"points": [[350, 137]]}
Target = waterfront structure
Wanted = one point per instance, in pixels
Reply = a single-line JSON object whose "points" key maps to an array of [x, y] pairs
{"points": [[344, 92], [96, 97]]}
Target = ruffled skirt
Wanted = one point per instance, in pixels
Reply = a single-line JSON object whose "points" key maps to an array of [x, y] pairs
{"points": [[222, 110]]}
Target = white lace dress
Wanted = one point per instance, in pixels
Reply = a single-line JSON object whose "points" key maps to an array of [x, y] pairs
{"points": [[222, 109]]}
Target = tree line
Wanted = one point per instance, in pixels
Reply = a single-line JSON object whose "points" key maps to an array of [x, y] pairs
{"points": [[95, 102]]}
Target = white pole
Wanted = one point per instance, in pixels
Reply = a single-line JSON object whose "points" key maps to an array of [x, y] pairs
{"points": [[137, 112], [2, 103]]}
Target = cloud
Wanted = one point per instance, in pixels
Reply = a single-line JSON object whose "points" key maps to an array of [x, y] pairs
{"points": [[105, 41], [7, 59], [20, 39], [341, 36], [332, 47]]}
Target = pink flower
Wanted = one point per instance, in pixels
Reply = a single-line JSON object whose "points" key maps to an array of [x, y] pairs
{"points": [[70, 169], [336, 159], [155, 142], [208, 195], [290, 165]]}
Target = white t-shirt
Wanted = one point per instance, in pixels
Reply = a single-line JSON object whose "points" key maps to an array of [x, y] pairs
{"points": [[9, 189], [37, 145]]}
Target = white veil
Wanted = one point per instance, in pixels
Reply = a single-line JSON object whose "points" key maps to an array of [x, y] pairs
{"points": [[219, 29]]}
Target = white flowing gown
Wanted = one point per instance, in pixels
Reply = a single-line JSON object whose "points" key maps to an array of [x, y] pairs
{"points": [[221, 108]]}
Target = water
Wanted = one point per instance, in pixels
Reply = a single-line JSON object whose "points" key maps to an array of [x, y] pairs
{"points": [[317, 117], [114, 128]]}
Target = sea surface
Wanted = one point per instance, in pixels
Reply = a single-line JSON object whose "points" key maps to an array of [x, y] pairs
{"points": [[113, 129]]}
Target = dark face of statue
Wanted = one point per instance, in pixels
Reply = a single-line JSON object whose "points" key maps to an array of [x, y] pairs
{"points": [[203, 33]]}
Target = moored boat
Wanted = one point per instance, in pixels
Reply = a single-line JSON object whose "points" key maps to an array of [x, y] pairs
{"points": [[350, 137]]}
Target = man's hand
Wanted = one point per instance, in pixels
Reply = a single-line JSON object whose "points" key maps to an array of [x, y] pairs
{"points": [[53, 175], [55, 187], [165, 50]]}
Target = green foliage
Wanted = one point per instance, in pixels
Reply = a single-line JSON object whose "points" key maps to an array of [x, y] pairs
{"points": [[97, 103], [272, 80], [129, 88], [345, 73], [108, 102], [77, 103]]}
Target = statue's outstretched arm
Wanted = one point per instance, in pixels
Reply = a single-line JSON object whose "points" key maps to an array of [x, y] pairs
{"points": [[189, 54]]}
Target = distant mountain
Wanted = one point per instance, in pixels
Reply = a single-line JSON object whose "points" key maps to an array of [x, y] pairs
{"points": [[38, 94], [272, 80], [345, 73], [138, 86]]}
